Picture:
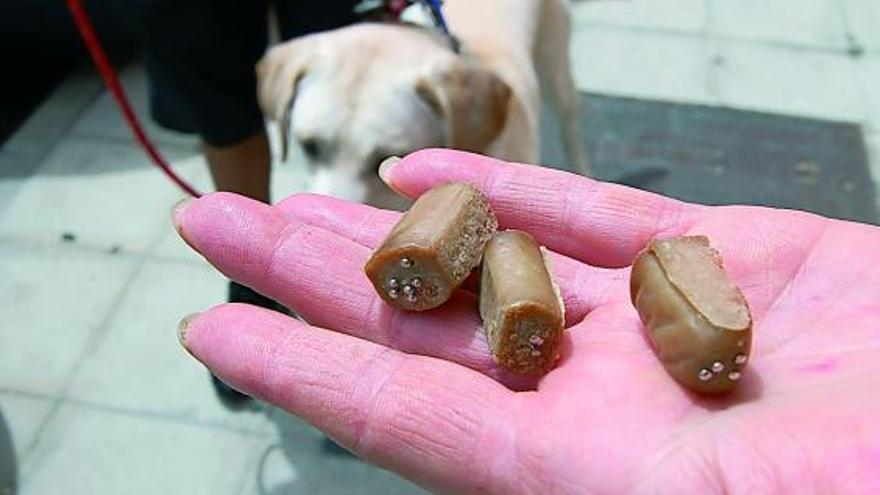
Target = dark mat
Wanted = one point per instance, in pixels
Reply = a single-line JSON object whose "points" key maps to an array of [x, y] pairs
{"points": [[716, 155]]}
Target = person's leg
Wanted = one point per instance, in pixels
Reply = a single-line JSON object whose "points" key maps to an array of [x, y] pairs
{"points": [[200, 57], [242, 167]]}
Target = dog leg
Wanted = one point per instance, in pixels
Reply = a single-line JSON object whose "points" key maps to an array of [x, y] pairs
{"points": [[557, 82]]}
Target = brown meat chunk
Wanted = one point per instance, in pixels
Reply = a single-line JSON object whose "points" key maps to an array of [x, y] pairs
{"points": [[696, 317], [522, 310], [433, 247]]}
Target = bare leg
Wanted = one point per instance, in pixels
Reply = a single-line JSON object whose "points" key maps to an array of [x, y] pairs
{"points": [[243, 167]]}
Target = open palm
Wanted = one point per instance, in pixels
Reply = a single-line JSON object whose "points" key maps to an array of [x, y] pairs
{"points": [[418, 393]]}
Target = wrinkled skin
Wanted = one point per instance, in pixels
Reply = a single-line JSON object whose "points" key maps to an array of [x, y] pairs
{"points": [[420, 395]]}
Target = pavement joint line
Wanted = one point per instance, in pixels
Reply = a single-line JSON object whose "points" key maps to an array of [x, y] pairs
{"points": [[778, 44], [19, 241], [97, 332], [173, 418], [24, 242], [713, 51], [116, 140], [140, 413], [95, 336], [27, 394], [852, 39], [252, 465], [653, 30]]}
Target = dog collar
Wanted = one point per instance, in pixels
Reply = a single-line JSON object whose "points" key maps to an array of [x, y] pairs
{"points": [[394, 11]]}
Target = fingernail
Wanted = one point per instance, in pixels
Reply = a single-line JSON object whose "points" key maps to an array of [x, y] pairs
{"points": [[177, 211], [385, 169], [183, 327]]}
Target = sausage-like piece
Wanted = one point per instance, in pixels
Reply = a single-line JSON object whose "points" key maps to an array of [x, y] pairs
{"points": [[697, 318], [433, 247], [520, 304]]}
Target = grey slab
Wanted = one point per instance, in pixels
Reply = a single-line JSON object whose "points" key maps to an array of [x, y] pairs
{"points": [[815, 23], [139, 365], [722, 156], [106, 194], [95, 452], [172, 247], [787, 80], [53, 301], [299, 459], [641, 64], [687, 16]]}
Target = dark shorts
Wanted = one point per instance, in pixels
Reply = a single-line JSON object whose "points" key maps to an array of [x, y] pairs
{"points": [[200, 57]]}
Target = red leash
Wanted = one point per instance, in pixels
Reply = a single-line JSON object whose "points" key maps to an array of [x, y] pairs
{"points": [[87, 31]]}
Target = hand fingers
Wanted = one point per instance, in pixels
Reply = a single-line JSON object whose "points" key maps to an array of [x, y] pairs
{"points": [[429, 420], [598, 223], [583, 287], [363, 224], [320, 275]]}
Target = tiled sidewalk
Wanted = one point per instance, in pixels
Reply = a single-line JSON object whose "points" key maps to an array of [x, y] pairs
{"points": [[99, 396]]}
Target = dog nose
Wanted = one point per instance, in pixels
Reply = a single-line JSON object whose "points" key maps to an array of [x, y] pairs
{"points": [[312, 148]]}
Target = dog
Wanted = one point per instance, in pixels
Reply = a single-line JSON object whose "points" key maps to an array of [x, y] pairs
{"points": [[351, 97]]}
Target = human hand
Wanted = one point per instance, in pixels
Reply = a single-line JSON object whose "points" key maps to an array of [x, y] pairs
{"points": [[419, 393]]}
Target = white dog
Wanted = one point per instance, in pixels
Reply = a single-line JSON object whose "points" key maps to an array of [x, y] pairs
{"points": [[351, 97]]}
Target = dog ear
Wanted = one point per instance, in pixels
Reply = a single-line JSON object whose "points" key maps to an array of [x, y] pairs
{"points": [[278, 75], [471, 98]]}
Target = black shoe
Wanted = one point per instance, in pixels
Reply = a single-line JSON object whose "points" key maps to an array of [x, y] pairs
{"points": [[241, 294], [231, 398]]}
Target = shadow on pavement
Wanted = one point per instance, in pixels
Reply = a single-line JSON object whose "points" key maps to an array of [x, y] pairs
{"points": [[8, 464], [304, 460]]}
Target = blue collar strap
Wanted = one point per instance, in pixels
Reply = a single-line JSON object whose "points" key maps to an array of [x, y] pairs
{"points": [[391, 10], [436, 8]]}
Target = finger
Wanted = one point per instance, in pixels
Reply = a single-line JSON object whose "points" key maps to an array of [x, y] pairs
{"points": [[362, 224], [429, 420], [320, 275], [583, 287], [599, 223], [365, 225]]}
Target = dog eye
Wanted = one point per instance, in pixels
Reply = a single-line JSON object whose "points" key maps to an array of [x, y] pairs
{"points": [[312, 148]]}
